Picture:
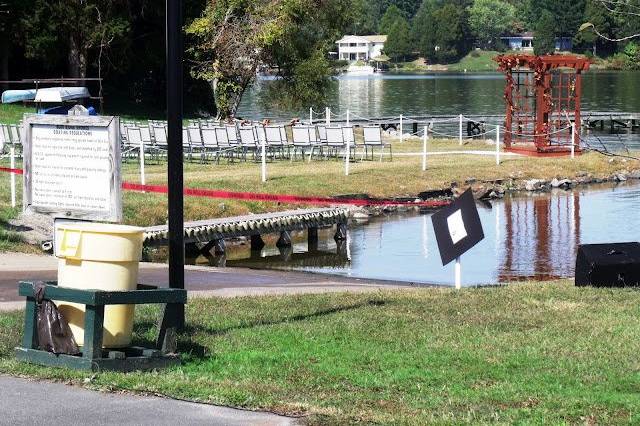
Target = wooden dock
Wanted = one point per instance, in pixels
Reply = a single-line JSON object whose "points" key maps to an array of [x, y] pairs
{"points": [[204, 235]]}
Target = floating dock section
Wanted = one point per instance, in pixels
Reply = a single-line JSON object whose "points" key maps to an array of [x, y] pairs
{"points": [[205, 235]]}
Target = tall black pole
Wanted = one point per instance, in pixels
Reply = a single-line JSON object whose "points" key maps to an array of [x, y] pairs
{"points": [[174, 134]]}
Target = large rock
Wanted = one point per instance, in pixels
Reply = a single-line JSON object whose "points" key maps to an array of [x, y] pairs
{"points": [[561, 183], [535, 185]]}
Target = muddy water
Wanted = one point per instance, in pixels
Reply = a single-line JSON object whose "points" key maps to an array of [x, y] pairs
{"points": [[526, 237]]}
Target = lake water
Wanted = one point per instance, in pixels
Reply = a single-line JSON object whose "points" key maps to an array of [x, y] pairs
{"points": [[442, 94], [526, 237], [390, 95]]}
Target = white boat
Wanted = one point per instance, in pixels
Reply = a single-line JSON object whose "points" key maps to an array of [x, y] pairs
{"points": [[61, 94], [361, 70]]}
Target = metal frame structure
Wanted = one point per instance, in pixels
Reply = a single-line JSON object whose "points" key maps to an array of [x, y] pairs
{"points": [[542, 96]]}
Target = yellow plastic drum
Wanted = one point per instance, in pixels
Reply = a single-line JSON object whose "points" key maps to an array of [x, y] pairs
{"points": [[99, 257]]}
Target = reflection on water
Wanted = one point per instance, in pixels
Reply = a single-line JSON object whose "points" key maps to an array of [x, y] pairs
{"points": [[526, 237]]}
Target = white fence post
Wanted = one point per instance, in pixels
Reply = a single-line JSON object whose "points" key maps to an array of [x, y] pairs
{"points": [[458, 274], [401, 131], [348, 116], [498, 145], [12, 154], [327, 116], [460, 130], [424, 148], [347, 156], [310, 116], [142, 174], [264, 160], [573, 140]]}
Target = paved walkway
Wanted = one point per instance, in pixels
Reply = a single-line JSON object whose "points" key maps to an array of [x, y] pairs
{"points": [[27, 402], [201, 281]]}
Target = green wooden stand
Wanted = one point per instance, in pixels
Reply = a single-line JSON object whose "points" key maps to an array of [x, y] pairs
{"points": [[94, 357]]}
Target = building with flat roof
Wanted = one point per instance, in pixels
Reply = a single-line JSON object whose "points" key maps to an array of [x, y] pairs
{"points": [[524, 42], [360, 48]]}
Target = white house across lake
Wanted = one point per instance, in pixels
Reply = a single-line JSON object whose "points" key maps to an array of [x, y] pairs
{"points": [[524, 42], [360, 48]]}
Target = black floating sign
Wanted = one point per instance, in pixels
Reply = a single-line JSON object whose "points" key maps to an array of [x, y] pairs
{"points": [[457, 227]]}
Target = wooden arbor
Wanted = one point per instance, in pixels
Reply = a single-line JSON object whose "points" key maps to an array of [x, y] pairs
{"points": [[542, 95]]}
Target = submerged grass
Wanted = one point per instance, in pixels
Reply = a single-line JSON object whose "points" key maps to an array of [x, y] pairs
{"points": [[527, 353]]}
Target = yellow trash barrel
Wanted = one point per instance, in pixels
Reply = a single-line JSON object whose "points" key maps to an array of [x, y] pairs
{"points": [[96, 256]]}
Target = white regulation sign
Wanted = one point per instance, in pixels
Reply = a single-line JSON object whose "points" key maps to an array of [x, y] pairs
{"points": [[72, 167]]}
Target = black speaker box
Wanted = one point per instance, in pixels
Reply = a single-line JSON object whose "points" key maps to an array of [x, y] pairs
{"points": [[608, 265]]}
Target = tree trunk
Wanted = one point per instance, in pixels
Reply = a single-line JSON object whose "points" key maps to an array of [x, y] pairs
{"points": [[4, 61], [77, 58]]}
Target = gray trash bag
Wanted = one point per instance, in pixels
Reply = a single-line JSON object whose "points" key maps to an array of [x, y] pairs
{"points": [[54, 333]]}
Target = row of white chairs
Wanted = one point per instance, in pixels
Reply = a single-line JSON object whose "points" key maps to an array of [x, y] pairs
{"points": [[241, 141]]}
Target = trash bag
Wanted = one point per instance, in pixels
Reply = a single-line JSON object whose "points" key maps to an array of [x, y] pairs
{"points": [[54, 333]]}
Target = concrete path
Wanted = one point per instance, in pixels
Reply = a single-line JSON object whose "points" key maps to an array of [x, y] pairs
{"points": [[26, 402], [201, 281]]}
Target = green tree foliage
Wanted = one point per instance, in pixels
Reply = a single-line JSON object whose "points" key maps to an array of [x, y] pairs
{"points": [[544, 42], [408, 7], [489, 19], [392, 15], [364, 17], [440, 30], [567, 15], [81, 26], [399, 43], [234, 37], [601, 19]]}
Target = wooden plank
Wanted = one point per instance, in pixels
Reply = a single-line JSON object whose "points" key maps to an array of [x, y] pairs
{"points": [[98, 297], [29, 338], [93, 329], [34, 356], [53, 292], [129, 364], [141, 297]]}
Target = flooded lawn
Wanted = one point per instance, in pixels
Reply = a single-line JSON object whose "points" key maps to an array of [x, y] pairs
{"points": [[526, 237]]}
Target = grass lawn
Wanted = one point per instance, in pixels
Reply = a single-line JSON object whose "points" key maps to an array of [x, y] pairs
{"points": [[528, 353], [476, 61]]}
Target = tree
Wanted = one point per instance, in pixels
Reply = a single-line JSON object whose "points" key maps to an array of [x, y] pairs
{"points": [[390, 17], [449, 32], [398, 43], [544, 42], [81, 26], [233, 38], [364, 17], [422, 29], [489, 19], [598, 16]]}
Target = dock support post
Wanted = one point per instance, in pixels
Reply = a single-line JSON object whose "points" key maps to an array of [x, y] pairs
{"points": [[327, 116], [286, 253], [460, 129], [310, 116], [256, 243], [400, 129], [312, 239], [284, 240], [341, 232], [218, 245]]}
